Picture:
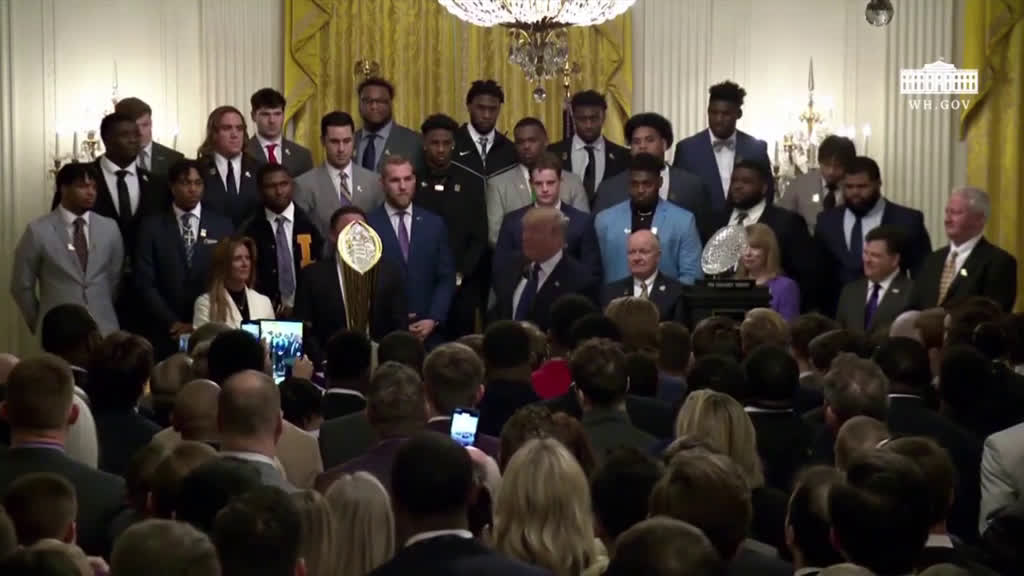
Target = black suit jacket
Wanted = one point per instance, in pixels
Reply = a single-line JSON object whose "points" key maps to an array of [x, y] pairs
{"points": [[616, 159], [154, 197], [568, 277], [307, 246], [784, 443], [453, 556], [338, 404], [988, 271], [611, 430], [162, 159], [648, 414], [501, 153], [120, 434], [932, 555], [241, 206], [667, 295], [500, 401], [342, 439], [460, 203]]}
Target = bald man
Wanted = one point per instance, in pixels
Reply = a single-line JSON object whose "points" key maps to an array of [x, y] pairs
{"points": [[249, 424], [643, 251], [527, 285]]}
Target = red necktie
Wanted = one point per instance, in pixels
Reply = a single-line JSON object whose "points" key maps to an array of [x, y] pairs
{"points": [[271, 156]]}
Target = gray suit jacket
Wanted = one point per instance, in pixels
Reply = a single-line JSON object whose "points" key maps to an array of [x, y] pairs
{"points": [[401, 142], [269, 475], [319, 199], [508, 191], [854, 297], [297, 159], [804, 196], [44, 257], [1002, 472], [162, 160]]}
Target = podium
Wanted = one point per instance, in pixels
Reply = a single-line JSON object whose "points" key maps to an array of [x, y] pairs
{"points": [[723, 297]]}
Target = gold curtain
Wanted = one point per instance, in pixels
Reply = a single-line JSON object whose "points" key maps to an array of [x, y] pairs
{"points": [[994, 122], [432, 57]]}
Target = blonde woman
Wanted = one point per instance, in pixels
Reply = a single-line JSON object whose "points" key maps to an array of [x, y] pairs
{"points": [[360, 506], [230, 298], [760, 262], [319, 532], [543, 514], [637, 319]]}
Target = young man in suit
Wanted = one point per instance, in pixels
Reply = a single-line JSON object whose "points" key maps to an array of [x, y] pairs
{"points": [[453, 377], [1001, 484], [711, 153], [285, 237], [839, 232], [153, 156], [229, 173], [268, 145], [970, 265], [588, 154], [546, 179], [818, 189], [380, 135], [416, 240], [870, 304], [644, 210], [249, 424], [347, 370], [173, 258], [72, 255], [512, 189], [643, 252], [478, 145], [338, 181]]}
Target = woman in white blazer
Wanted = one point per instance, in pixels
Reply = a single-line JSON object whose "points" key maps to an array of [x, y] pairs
{"points": [[230, 300]]}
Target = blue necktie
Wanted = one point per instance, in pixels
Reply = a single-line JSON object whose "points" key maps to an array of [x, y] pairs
{"points": [[872, 306], [528, 294], [370, 153]]}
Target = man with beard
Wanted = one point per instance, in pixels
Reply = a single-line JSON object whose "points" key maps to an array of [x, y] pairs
{"points": [[380, 135], [478, 145], [839, 232], [818, 190]]}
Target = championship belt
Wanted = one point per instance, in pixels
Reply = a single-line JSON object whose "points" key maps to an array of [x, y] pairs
{"points": [[359, 251]]}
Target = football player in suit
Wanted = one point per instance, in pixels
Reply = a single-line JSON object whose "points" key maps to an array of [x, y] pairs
{"points": [[818, 189], [970, 265], [154, 157], [268, 145], [478, 145], [870, 304], [644, 281], [229, 180], [588, 154], [380, 135]]}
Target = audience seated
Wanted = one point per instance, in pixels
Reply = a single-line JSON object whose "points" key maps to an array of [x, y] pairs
{"points": [[808, 526], [47, 558], [42, 506], [664, 546], [552, 379], [164, 548], [453, 377], [318, 533], [642, 373], [139, 477], [347, 371], [259, 532], [171, 472], [637, 320], [856, 435], [509, 385], [360, 507], [619, 490]]}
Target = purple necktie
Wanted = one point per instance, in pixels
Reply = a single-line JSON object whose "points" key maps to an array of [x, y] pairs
{"points": [[403, 235], [872, 306]]}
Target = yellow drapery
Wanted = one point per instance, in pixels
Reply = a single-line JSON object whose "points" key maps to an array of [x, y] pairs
{"points": [[432, 57], [994, 123]]}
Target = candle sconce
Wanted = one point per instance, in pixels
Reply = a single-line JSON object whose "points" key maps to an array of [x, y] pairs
{"points": [[366, 68]]}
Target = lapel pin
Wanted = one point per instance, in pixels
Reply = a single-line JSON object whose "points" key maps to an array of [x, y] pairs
{"points": [[611, 155], [457, 187], [895, 290], [963, 272], [654, 230], [816, 198], [557, 284], [626, 230], [71, 247], [287, 151], [387, 152], [423, 184], [661, 288], [247, 174], [202, 232], [144, 177], [213, 171]]}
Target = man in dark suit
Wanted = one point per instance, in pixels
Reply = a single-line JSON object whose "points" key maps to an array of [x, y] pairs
{"points": [[587, 153], [580, 238], [456, 193], [347, 370], [415, 240], [970, 265], [509, 387], [380, 135], [39, 409], [173, 258], [268, 145], [153, 156], [711, 153], [229, 173], [478, 145], [644, 281], [870, 304], [453, 377], [286, 239], [839, 232]]}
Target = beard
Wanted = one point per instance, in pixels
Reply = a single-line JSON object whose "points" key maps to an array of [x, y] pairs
{"points": [[747, 203], [862, 208]]}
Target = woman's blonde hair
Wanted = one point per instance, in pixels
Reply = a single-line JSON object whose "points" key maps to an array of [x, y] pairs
{"points": [[361, 506], [637, 320], [319, 532], [762, 237], [220, 270], [720, 421], [543, 515]]}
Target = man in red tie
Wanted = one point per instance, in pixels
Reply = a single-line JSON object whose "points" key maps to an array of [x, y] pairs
{"points": [[269, 145]]}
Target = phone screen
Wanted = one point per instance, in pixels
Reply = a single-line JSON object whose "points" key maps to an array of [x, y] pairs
{"points": [[252, 328], [183, 342], [284, 340], [464, 423]]}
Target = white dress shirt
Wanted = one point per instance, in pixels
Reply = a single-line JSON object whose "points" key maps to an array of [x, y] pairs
{"points": [[131, 178], [526, 176], [394, 218], [938, 541], [69, 218], [197, 214], [753, 214], [579, 158], [289, 222], [638, 285], [335, 175], [962, 252], [145, 160], [883, 286], [725, 158], [278, 151], [546, 267], [870, 221], [665, 176], [476, 139], [437, 534], [222, 168], [250, 457]]}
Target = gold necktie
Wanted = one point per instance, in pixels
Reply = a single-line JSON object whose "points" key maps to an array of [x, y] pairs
{"points": [[645, 290], [948, 270]]}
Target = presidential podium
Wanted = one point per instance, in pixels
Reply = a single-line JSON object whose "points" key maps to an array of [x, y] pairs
{"points": [[723, 297]]}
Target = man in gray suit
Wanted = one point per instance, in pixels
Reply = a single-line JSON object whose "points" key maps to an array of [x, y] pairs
{"points": [[339, 181], [870, 304], [268, 145], [73, 254], [510, 190], [380, 135], [250, 424], [152, 156], [1002, 472], [819, 190]]}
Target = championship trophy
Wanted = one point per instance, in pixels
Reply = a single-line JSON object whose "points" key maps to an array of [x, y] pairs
{"points": [[359, 251], [720, 293]]}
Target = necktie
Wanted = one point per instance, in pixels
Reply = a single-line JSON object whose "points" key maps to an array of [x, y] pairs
{"points": [[946, 280], [144, 160], [189, 236], [856, 241], [271, 156], [483, 149], [232, 186], [590, 173], [403, 235], [370, 153], [720, 144], [645, 290], [872, 306], [528, 293], [81, 246], [285, 274], [346, 195], [124, 200], [741, 218], [829, 201]]}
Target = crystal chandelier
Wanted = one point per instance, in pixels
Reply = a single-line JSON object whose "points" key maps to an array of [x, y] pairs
{"points": [[539, 40]]}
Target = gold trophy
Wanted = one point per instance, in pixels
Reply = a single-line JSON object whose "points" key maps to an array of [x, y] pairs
{"points": [[359, 251]]}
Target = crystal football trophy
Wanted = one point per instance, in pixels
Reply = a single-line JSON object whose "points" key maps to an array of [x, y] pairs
{"points": [[722, 253], [359, 251]]}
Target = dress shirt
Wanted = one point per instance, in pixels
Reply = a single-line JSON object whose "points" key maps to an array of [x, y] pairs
{"points": [[250, 457], [476, 139], [110, 176], [663, 191], [962, 252], [545, 270], [580, 160], [725, 158], [346, 391], [222, 169], [278, 151], [197, 215], [437, 534], [807, 570], [145, 160], [938, 541], [378, 144], [753, 214], [529, 181], [69, 224], [335, 175], [393, 217], [870, 221], [557, 205], [638, 290], [883, 286]]}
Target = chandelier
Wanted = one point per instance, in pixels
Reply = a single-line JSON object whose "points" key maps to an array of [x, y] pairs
{"points": [[537, 29]]}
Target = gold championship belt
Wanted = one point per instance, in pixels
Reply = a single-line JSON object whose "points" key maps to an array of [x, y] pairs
{"points": [[359, 251]]}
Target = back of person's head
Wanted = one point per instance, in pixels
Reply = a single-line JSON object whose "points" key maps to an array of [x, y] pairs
{"points": [[880, 514], [904, 326], [538, 345], [966, 316], [171, 472], [716, 335], [360, 504], [232, 352], [119, 368], [42, 506], [904, 362], [402, 347], [349, 355], [195, 411], [772, 377], [573, 436], [964, 375], [39, 393], [637, 319], [721, 373], [937, 468], [69, 331], [259, 534], [140, 473], [163, 548], [475, 343], [808, 526], [301, 403], [708, 491], [38, 561], [848, 569], [506, 347], [168, 377], [431, 480], [205, 334], [620, 489], [396, 405], [673, 347], [565, 311], [931, 324], [805, 328], [318, 534], [591, 326], [856, 435], [720, 420], [642, 373], [210, 487], [249, 406], [530, 421], [453, 377], [662, 546], [855, 387], [763, 326], [598, 368], [825, 347]]}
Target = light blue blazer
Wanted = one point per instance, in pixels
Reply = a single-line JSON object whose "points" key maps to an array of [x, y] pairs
{"points": [[675, 228]]}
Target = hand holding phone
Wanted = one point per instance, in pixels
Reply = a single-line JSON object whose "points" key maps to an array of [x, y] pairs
{"points": [[464, 423]]}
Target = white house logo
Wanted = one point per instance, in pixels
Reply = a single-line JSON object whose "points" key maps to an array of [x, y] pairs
{"points": [[938, 78]]}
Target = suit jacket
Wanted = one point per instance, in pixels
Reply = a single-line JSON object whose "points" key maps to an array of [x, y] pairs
{"points": [[569, 276], [161, 160], [696, 155], [755, 558], [317, 196], [684, 190], [806, 197], [611, 430], [501, 399], [341, 402], [307, 247], [616, 159], [121, 433], [784, 443], [154, 197], [501, 153], [260, 308], [241, 206], [100, 495], [344, 438], [490, 445], [1002, 472], [988, 271], [510, 190], [299, 455], [269, 475], [648, 414], [377, 461], [580, 238], [676, 230], [453, 556], [667, 295], [460, 203], [401, 141], [44, 258], [854, 297], [957, 556], [296, 158]]}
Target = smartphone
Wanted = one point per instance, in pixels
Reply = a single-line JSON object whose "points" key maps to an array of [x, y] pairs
{"points": [[464, 422], [284, 341], [252, 328], [183, 343]]}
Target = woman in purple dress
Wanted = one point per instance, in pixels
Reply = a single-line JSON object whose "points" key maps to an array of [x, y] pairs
{"points": [[760, 262]]}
